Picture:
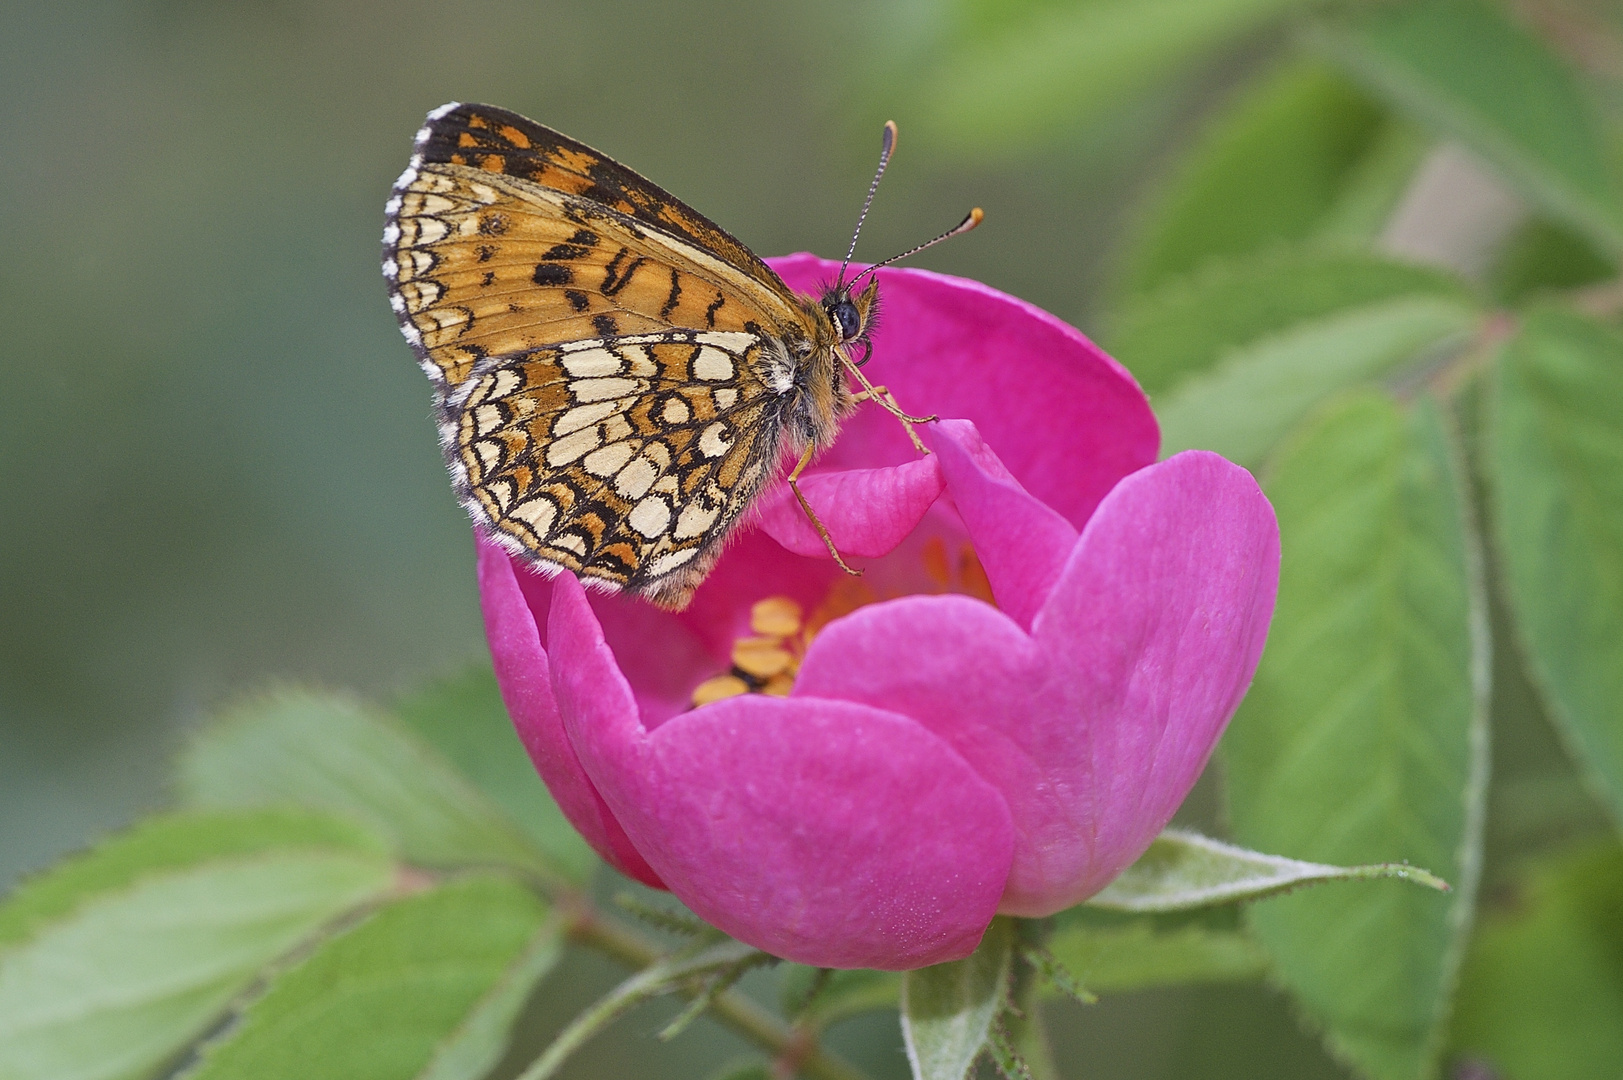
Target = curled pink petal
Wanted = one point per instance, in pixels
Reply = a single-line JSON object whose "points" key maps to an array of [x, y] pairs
{"points": [[867, 512], [525, 677], [1021, 542], [827, 833]]}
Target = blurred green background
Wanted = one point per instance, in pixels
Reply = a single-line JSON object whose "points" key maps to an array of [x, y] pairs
{"points": [[216, 460], [217, 468]]}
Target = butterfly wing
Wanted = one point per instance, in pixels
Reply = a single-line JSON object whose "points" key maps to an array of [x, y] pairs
{"points": [[483, 261], [496, 140], [624, 460], [577, 344]]}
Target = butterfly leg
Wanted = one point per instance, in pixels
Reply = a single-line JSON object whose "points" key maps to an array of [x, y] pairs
{"points": [[883, 397], [794, 475], [887, 400]]}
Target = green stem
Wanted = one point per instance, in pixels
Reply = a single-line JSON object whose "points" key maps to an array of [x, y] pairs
{"points": [[1026, 1029], [794, 1049]]}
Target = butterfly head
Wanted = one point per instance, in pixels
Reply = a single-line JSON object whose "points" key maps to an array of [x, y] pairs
{"points": [[852, 316]]}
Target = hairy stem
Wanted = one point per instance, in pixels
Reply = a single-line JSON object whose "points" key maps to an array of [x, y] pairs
{"points": [[1025, 1021]]}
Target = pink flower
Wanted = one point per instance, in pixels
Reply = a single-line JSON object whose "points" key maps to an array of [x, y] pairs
{"points": [[938, 759]]}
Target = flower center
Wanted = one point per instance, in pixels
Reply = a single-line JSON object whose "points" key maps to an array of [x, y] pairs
{"points": [[768, 659]]}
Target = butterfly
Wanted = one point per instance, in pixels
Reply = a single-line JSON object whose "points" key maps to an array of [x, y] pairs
{"points": [[616, 378]]}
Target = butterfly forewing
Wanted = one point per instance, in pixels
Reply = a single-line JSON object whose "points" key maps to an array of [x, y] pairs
{"points": [[485, 265], [496, 140], [608, 364]]}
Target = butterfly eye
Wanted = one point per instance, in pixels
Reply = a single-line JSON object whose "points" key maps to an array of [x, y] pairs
{"points": [[846, 320]]}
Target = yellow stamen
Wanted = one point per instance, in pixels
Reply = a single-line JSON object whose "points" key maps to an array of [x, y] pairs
{"points": [[779, 685], [776, 617], [719, 688], [761, 657]]}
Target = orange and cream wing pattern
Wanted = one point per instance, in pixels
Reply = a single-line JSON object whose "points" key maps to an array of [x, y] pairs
{"points": [[608, 364], [484, 265], [623, 460], [496, 140]]}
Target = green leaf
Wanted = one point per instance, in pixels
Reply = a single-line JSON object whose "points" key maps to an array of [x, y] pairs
{"points": [[1269, 170], [1116, 955], [1541, 995], [479, 1042], [1542, 256], [1190, 325], [1061, 66], [425, 987], [464, 718], [1464, 69], [1556, 455], [122, 984], [170, 842], [1183, 870], [1375, 186], [1363, 737], [948, 1009], [1244, 405], [328, 752]]}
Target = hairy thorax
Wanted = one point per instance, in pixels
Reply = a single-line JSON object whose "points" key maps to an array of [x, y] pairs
{"points": [[818, 396]]}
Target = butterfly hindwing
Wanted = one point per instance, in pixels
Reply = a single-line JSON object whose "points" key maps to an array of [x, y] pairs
{"points": [[624, 460]]}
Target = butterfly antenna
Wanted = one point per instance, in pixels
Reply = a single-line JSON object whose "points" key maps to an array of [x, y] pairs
{"points": [[972, 219], [886, 145]]}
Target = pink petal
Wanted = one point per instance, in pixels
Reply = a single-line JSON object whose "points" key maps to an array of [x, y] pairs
{"points": [[1022, 544], [827, 833], [658, 652], [867, 512], [1096, 725], [1161, 615], [1067, 420], [524, 675], [967, 672]]}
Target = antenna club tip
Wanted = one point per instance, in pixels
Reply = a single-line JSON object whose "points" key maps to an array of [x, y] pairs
{"points": [[976, 216], [888, 139]]}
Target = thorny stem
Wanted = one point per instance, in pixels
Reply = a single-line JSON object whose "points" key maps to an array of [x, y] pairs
{"points": [[794, 1049]]}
